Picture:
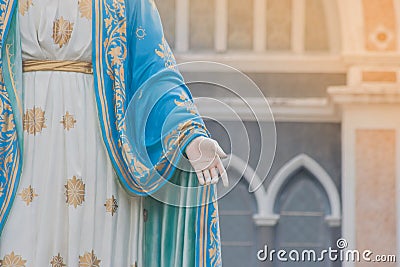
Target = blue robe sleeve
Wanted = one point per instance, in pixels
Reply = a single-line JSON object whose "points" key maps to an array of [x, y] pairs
{"points": [[161, 120], [161, 117], [146, 103]]}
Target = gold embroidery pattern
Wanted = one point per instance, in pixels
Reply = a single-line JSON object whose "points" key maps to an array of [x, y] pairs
{"points": [[27, 195], [34, 120], [186, 102], [62, 31], [166, 54], [23, 6], [75, 191], [1, 189], [68, 121], [57, 261], [12, 260], [139, 167], [215, 250], [85, 8], [89, 260], [111, 205], [9, 153], [116, 55], [8, 123], [115, 47], [171, 143]]}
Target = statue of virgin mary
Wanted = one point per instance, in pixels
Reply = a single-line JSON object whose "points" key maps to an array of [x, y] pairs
{"points": [[95, 121]]}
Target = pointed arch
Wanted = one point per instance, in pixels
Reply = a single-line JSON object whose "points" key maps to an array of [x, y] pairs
{"points": [[268, 217]]}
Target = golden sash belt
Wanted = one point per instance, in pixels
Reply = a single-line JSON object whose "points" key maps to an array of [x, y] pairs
{"points": [[57, 65]]}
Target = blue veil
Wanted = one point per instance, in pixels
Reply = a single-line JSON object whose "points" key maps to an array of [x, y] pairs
{"points": [[146, 112]]}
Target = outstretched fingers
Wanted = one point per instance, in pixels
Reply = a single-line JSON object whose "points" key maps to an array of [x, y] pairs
{"points": [[214, 175], [200, 177], [222, 172], [207, 176]]}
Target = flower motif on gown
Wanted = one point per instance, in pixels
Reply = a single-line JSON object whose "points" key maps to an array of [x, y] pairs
{"points": [[27, 195], [12, 260], [75, 192], [57, 261], [23, 6], [34, 120], [68, 189], [89, 260], [62, 31], [85, 8], [111, 205], [68, 121]]}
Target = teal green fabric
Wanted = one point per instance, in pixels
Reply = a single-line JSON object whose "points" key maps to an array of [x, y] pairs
{"points": [[146, 111], [146, 116], [12, 75], [174, 243], [10, 111]]}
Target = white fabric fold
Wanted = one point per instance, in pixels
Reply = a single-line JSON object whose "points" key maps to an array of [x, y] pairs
{"points": [[62, 140]]}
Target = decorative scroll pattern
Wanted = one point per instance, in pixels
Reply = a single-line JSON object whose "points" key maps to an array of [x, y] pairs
{"points": [[208, 244], [115, 51], [9, 149], [166, 54], [116, 48], [215, 240]]}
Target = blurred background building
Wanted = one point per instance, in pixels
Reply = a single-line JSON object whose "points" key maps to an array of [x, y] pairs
{"points": [[331, 72]]}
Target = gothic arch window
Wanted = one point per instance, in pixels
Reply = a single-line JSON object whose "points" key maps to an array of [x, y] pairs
{"points": [[267, 215], [300, 209], [302, 205]]}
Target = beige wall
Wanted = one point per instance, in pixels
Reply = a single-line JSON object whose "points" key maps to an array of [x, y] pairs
{"points": [[375, 211]]}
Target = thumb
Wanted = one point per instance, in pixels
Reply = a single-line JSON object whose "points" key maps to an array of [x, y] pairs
{"points": [[219, 151]]}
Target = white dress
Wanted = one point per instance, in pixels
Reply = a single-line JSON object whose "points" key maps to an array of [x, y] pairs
{"points": [[70, 209]]}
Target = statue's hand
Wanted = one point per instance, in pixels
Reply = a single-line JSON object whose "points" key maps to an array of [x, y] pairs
{"points": [[205, 156]]}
